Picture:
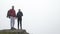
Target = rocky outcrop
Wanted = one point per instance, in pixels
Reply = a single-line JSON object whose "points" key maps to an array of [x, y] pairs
{"points": [[8, 31]]}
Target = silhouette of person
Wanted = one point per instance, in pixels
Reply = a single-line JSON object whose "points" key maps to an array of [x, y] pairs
{"points": [[19, 18], [11, 14]]}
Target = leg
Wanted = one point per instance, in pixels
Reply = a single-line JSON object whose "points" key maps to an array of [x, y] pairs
{"points": [[11, 22], [21, 24], [18, 23]]}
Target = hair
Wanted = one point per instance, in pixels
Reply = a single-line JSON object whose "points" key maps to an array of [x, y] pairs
{"points": [[12, 7], [19, 9]]}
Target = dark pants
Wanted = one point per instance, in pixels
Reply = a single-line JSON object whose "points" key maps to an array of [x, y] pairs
{"points": [[20, 22]]}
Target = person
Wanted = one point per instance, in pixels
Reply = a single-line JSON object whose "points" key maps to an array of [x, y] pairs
{"points": [[11, 14], [19, 18]]}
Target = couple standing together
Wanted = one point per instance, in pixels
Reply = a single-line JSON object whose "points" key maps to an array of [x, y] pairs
{"points": [[12, 15]]}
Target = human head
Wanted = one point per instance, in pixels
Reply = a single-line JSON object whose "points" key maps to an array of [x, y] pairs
{"points": [[12, 7], [19, 9]]}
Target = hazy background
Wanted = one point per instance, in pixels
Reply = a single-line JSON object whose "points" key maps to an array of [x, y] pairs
{"points": [[40, 16]]}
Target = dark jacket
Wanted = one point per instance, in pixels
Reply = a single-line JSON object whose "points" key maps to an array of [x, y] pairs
{"points": [[19, 14]]}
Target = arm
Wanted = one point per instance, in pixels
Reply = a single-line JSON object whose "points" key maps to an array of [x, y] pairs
{"points": [[22, 13], [8, 14], [14, 13]]}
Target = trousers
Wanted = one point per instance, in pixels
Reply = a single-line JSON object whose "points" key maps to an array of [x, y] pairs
{"points": [[12, 21], [20, 23]]}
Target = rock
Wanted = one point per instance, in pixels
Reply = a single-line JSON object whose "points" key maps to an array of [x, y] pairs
{"points": [[8, 31]]}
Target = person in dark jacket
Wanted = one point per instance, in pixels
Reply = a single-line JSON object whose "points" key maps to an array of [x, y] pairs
{"points": [[11, 14], [19, 18]]}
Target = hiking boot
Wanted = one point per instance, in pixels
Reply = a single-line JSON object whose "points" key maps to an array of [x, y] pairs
{"points": [[13, 28]]}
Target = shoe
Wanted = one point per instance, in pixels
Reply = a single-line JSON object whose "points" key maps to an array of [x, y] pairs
{"points": [[14, 28], [11, 28]]}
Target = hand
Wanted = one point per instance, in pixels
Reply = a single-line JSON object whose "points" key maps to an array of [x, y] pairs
{"points": [[7, 16]]}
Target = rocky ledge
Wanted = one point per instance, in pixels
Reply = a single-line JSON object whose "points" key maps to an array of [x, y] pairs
{"points": [[8, 31]]}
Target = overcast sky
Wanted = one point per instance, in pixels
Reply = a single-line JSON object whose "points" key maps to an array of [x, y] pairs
{"points": [[39, 16]]}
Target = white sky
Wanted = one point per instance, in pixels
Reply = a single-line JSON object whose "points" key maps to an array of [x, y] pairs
{"points": [[40, 16]]}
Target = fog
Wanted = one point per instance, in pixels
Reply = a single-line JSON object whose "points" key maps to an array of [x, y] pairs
{"points": [[39, 16]]}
